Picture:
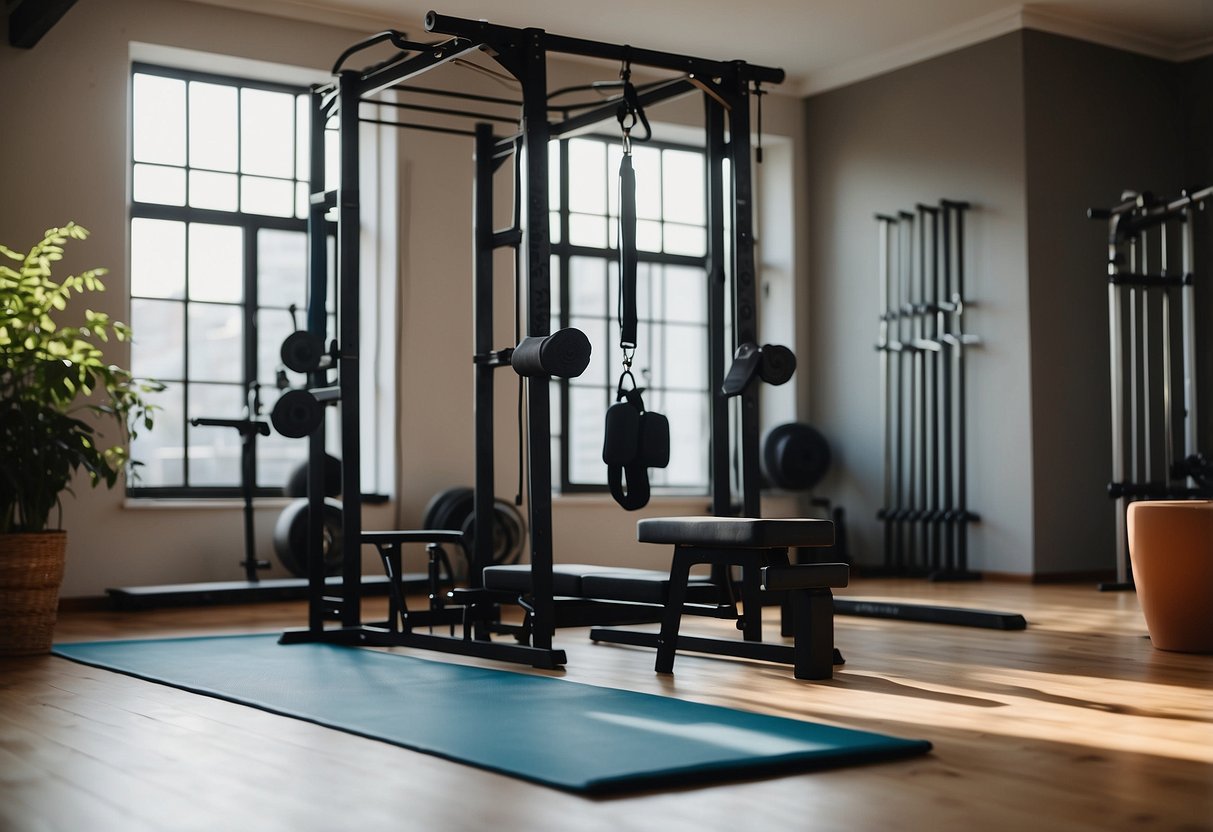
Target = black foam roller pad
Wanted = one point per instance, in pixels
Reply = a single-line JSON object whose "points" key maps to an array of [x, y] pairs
{"points": [[564, 354]]}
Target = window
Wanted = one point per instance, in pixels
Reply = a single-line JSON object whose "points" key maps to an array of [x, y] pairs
{"points": [[218, 256], [672, 301]]}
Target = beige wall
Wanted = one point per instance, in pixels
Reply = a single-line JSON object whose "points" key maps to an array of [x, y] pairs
{"points": [[69, 163]]}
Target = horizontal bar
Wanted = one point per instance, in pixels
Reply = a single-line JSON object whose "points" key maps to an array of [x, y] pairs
{"points": [[485, 32], [379, 538], [445, 111], [376, 637], [760, 650], [930, 614], [608, 109], [427, 128], [466, 96]]}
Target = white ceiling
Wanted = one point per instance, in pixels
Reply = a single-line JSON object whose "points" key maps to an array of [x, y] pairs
{"points": [[820, 43]]}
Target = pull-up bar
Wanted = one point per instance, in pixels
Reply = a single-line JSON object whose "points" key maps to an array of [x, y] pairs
{"points": [[485, 32]]}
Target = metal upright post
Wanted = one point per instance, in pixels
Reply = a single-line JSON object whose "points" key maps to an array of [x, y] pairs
{"points": [[1187, 303], [349, 227], [482, 345], [535, 136], [1117, 361], [715, 154], [884, 279], [745, 280]]}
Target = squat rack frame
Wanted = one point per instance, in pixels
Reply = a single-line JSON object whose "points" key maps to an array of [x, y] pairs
{"points": [[522, 53]]}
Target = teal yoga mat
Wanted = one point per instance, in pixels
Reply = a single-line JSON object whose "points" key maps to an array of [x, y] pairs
{"points": [[567, 735]]}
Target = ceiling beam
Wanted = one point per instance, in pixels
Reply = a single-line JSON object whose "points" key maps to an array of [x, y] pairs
{"points": [[29, 20]]}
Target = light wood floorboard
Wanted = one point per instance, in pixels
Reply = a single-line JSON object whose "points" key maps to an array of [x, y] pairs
{"points": [[1077, 723]]}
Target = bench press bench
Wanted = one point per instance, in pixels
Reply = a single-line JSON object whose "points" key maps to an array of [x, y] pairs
{"points": [[759, 547]]}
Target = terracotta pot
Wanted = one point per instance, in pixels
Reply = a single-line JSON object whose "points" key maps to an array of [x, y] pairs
{"points": [[31, 570], [1171, 549]]}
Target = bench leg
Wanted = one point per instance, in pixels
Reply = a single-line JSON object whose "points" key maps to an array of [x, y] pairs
{"points": [[671, 619], [813, 619]]}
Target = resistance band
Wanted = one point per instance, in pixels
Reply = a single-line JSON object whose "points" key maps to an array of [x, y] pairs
{"points": [[634, 439]]}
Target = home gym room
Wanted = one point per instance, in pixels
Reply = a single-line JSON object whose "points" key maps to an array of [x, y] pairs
{"points": [[816, 369]]}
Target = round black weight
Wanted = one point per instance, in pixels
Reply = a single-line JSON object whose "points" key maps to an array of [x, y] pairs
{"points": [[439, 510], [296, 414], [296, 483], [795, 456], [301, 351], [290, 538], [509, 532]]}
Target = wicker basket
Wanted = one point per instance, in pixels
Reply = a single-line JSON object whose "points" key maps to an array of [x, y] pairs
{"points": [[31, 569]]}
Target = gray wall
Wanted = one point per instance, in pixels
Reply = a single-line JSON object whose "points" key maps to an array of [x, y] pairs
{"points": [[1033, 129], [1097, 121], [951, 127]]}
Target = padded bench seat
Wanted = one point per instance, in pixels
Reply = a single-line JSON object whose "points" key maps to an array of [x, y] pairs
{"points": [[759, 547], [736, 532], [600, 583]]}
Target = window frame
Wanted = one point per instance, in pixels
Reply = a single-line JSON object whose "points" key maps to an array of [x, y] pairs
{"points": [[250, 225], [562, 251]]}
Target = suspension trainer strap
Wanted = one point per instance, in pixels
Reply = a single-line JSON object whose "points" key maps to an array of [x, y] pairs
{"points": [[634, 439], [627, 253]]}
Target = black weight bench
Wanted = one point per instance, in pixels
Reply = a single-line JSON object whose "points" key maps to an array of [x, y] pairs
{"points": [[759, 547]]}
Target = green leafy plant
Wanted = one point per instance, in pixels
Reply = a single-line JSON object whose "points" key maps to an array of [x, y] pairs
{"points": [[50, 376]]}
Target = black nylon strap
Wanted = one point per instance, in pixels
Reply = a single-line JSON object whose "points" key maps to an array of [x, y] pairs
{"points": [[637, 494], [627, 253]]}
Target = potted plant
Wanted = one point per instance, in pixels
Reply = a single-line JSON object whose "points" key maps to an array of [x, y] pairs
{"points": [[52, 375]]}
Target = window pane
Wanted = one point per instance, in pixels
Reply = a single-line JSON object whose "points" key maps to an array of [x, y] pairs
{"points": [[159, 120], [215, 191], [159, 332], [215, 451], [648, 235], [161, 451], [586, 230], [556, 296], [303, 138], [587, 286], [275, 197], [685, 239], [159, 184], [587, 176], [277, 457], [273, 326], [686, 294], [554, 177], [216, 263], [682, 186], [213, 126], [685, 353], [688, 461], [647, 163], [282, 269], [587, 414], [267, 133], [157, 258], [215, 351], [596, 330]]}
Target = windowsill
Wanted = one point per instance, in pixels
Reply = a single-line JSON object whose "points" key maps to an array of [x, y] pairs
{"points": [[698, 501], [192, 503]]}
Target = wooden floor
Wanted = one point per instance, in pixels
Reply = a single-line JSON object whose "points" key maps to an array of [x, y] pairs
{"points": [[1076, 723]]}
